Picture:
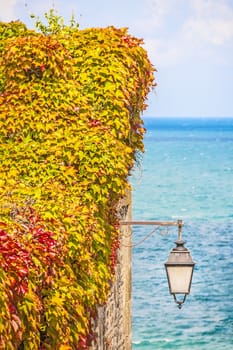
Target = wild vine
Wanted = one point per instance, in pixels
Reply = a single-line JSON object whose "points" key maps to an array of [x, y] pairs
{"points": [[70, 129]]}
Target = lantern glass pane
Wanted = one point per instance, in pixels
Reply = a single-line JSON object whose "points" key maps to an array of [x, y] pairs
{"points": [[179, 278]]}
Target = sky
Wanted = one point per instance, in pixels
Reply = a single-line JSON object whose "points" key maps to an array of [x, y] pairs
{"points": [[190, 42]]}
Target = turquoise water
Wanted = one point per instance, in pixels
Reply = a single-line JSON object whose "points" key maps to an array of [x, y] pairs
{"points": [[186, 173]]}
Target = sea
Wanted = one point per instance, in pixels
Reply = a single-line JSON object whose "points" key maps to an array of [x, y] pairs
{"points": [[186, 173]]}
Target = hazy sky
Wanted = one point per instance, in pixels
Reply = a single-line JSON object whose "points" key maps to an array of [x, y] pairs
{"points": [[190, 42]]}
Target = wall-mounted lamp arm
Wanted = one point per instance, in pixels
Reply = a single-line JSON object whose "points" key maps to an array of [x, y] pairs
{"points": [[178, 223]]}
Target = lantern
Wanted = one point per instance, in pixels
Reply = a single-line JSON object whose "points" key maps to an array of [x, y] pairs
{"points": [[179, 268]]}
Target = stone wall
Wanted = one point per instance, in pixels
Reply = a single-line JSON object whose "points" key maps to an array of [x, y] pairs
{"points": [[113, 324]]}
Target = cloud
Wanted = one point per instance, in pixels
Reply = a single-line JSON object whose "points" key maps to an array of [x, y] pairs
{"points": [[217, 32], [212, 23], [177, 30], [7, 13]]}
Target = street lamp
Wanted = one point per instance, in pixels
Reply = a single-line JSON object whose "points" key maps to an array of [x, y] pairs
{"points": [[179, 268]]}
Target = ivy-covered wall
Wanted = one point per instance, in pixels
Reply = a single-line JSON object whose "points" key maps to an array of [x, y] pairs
{"points": [[70, 131], [113, 324]]}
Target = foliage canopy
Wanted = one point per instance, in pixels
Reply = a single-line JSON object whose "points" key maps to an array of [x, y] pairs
{"points": [[70, 129]]}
